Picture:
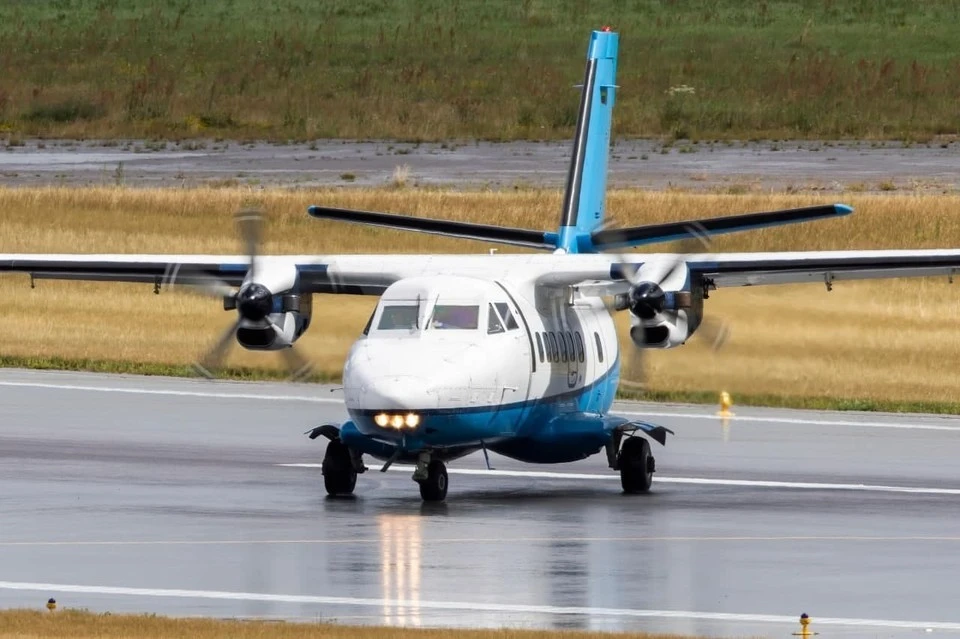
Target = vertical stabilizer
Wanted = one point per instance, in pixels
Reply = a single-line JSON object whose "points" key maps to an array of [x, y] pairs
{"points": [[585, 195]]}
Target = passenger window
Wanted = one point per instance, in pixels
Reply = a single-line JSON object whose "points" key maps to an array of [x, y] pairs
{"points": [[596, 336], [579, 347], [563, 347], [507, 316], [540, 348], [494, 325], [569, 339], [553, 347]]}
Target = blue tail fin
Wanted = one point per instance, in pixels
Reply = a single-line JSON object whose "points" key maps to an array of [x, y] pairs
{"points": [[585, 195]]}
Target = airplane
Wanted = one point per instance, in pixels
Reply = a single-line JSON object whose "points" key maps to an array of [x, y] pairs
{"points": [[511, 353]]}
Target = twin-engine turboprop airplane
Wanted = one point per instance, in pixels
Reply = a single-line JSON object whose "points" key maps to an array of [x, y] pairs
{"points": [[511, 353]]}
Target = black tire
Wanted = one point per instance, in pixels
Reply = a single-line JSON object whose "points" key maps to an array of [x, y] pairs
{"points": [[339, 476], [636, 466], [434, 487]]}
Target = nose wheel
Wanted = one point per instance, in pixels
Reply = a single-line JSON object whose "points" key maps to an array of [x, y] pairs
{"points": [[433, 483], [339, 474], [636, 465]]}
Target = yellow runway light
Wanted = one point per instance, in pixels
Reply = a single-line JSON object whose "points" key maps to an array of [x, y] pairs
{"points": [[725, 403]]}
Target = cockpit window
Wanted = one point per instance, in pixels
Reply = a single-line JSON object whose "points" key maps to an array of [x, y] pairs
{"points": [[399, 317], [494, 325], [507, 316], [455, 316]]}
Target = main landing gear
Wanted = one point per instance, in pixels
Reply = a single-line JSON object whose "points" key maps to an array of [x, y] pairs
{"points": [[431, 474], [339, 473], [636, 465]]}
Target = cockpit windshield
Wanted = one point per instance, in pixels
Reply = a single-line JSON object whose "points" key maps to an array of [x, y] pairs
{"points": [[397, 317], [455, 316]]}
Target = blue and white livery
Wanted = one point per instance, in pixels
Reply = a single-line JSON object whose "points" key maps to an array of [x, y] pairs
{"points": [[511, 353]]}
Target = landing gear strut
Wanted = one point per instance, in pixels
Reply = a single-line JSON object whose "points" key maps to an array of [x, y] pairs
{"points": [[339, 474], [636, 465], [432, 477]]}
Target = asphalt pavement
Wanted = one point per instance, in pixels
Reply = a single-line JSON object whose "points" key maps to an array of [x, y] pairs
{"points": [[187, 497]]}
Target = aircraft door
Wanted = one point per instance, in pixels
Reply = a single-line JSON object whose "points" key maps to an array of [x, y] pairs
{"points": [[569, 325], [508, 325], [590, 367]]}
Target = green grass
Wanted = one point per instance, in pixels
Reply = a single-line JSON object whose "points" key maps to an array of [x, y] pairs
{"points": [[442, 69], [242, 373]]}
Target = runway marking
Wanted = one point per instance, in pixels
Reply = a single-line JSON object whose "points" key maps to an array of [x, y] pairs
{"points": [[177, 393], [333, 400], [697, 481], [473, 606], [478, 540], [793, 421]]}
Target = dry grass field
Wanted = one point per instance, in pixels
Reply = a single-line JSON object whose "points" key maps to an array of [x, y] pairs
{"points": [[895, 340], [70, 624]]}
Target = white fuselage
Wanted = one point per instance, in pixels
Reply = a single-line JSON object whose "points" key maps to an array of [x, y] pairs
{"points": [[477, 361]]}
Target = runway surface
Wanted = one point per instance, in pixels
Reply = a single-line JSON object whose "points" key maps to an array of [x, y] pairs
{"points": [[721, 166], [184, 497]]}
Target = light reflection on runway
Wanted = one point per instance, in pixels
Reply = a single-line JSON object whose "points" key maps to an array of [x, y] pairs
{"points": [[401, 540]]}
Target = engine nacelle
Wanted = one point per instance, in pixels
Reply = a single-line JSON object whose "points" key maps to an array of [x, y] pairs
{"points": [[280, 329], [668, 328]]}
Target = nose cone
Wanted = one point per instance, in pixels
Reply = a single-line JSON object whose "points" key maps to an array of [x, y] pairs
{"points": [[414, 374], [391, 392], [401, 375]]}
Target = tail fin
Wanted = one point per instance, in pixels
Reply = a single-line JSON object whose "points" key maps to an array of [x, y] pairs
{"points": [[586, 190]]}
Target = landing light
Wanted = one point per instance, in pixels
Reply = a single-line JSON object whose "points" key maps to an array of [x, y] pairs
{"points": [[396, 420]]}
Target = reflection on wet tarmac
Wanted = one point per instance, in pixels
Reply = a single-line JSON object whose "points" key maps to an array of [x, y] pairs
{"points": [[400, 545]]}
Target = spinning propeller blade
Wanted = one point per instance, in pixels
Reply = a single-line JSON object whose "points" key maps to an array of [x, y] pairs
{"points": [[253, 302], [648, 295]]}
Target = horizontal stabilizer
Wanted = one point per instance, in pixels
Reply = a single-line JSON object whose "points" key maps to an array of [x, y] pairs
{"points": [[466, 230], [608, 239]]}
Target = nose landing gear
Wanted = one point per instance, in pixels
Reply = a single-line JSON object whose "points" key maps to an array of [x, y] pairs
{"points": [[432, 477]]}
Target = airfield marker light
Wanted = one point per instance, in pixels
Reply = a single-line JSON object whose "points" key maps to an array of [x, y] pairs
{"points": [[725, 404], [805, 627], [51, 604], [412, 420], [381, 420], [397, 421]]}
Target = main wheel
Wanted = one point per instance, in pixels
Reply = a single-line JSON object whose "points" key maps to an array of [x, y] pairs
{"points": [[636, 465], [339, 476], [434, 487]]}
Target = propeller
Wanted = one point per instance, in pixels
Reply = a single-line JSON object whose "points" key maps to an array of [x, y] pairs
{"points": [[646, 298], [253, 302]]}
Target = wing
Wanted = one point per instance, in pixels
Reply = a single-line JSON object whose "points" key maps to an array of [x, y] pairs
{"points": [[311, 274], [746, 269], [754, 269]]}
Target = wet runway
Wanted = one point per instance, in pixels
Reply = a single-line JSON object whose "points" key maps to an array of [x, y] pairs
{"points": [[708, 166], [194, 498]]}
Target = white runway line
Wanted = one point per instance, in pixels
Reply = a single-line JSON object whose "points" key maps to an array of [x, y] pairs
{"points": [[792, 421], [176, 393], [699, 481], [317, 399], [473, 606]]}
